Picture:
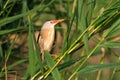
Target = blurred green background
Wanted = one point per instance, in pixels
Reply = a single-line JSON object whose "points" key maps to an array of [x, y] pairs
{"points": [[86, 46]]}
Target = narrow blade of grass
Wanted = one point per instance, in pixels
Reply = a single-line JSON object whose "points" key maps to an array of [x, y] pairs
{"points": [[82, 24], [17, 63], [31, 67], [117, 23], [50, 63], [1, 52], [90, 9], [111, 44], [8, 31], [94, 68]]}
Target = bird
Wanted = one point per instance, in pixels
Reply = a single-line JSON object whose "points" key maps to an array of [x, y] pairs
{"points": [[46, 36]]}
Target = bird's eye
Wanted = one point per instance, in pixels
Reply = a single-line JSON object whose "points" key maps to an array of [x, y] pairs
{"points": [[54, 21]]}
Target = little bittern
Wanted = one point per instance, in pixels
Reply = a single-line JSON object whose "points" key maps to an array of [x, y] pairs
{"points": [[47, 34]]}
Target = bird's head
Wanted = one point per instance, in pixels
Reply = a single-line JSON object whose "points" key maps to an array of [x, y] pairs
{"points": [[52, 23]]}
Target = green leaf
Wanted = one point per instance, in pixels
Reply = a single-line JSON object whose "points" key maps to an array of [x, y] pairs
{"points": [[94, 68], [70, 62], [111, 44], [35, 62], [50, 63], [9, 51], [31, 67], [2, 32], [1, 52], [16, 63], [90, 10], [82, 24], [115, 25], [10, 19], [114, 33]]}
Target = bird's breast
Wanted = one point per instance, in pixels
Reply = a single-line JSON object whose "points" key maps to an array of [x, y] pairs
{"points": [[47, 36]]}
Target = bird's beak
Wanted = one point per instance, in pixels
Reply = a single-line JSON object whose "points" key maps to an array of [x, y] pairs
{"points": [[60, 20]]}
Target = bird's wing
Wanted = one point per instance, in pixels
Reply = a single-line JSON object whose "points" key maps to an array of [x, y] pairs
{"points": [[41, 45], [38, 38]]}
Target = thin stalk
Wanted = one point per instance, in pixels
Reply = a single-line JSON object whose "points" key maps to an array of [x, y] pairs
{"points": [[101, 62], [4, 7], [11, 8], [6, 76]]}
